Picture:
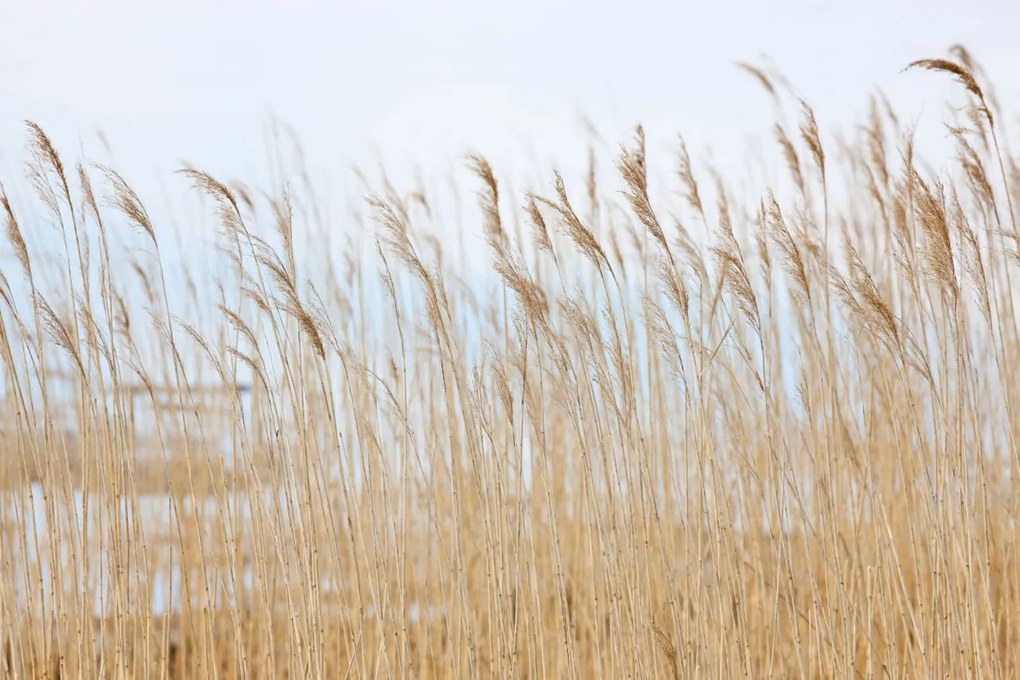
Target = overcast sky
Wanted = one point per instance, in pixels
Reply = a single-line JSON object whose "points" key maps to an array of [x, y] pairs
{"points": [[426, 81]]}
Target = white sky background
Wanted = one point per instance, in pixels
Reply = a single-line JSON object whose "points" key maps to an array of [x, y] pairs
{"points": [[418, 82]]}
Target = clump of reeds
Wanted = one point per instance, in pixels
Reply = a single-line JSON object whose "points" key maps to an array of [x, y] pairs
{"points": [[736, 435]]}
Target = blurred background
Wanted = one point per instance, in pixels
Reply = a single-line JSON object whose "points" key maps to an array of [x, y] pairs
{"points": [[414, 84]]}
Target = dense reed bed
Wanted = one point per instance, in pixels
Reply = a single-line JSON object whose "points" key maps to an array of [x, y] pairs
{"points": [[682, 428]]}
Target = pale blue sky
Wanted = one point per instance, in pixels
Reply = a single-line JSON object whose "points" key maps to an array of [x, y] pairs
{"points": [[426, 81], [198, 78]]}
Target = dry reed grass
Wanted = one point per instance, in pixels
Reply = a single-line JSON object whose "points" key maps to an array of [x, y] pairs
{"points": [[742, 436]]}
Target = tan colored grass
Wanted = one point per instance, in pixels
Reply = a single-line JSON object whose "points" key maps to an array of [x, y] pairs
{"points": [[707, 432]]}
